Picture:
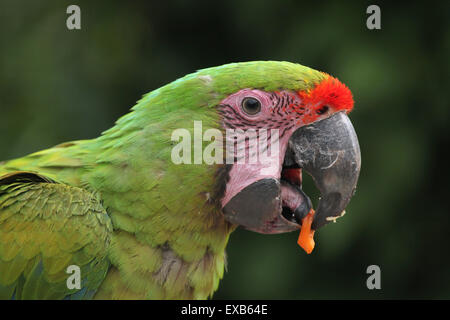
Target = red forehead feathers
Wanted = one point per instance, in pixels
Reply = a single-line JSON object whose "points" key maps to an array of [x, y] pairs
{"points": [[330, 92]]}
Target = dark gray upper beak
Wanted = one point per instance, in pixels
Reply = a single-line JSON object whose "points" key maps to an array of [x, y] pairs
{"points": [[329, 151]]}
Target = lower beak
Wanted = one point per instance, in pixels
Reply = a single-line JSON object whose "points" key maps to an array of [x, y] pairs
{"points": [[329, 151]]}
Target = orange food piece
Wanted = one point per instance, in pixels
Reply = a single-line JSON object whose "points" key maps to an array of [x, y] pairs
{"points": [[306, 237]]}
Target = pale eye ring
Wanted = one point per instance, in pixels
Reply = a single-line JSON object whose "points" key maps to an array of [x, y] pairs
{"points": [[251, 106]]}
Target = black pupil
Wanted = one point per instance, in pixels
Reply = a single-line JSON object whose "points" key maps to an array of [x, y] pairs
{"points": [[251, 105]]}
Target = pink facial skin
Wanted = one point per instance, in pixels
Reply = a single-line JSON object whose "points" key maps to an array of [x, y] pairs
{"points": [[275, 114]]}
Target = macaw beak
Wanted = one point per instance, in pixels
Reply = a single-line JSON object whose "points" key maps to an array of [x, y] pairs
{"points": [[329, 151]]}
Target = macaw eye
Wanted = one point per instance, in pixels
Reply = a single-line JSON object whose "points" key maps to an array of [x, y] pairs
{"points": [[251, 106]]}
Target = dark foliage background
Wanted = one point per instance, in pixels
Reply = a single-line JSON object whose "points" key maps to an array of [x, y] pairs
{"points": [[58, 85]]}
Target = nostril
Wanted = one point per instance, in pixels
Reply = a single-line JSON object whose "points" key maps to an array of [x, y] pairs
{"points": [[322, 110]]}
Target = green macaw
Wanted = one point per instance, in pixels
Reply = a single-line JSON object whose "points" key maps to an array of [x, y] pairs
{"points": [[140, 225]]}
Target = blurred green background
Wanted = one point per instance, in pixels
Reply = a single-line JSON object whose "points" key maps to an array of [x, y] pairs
{"points": [[58, 85]]}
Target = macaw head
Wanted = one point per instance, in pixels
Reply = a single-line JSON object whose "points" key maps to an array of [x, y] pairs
{"points": [[279, 120]]}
